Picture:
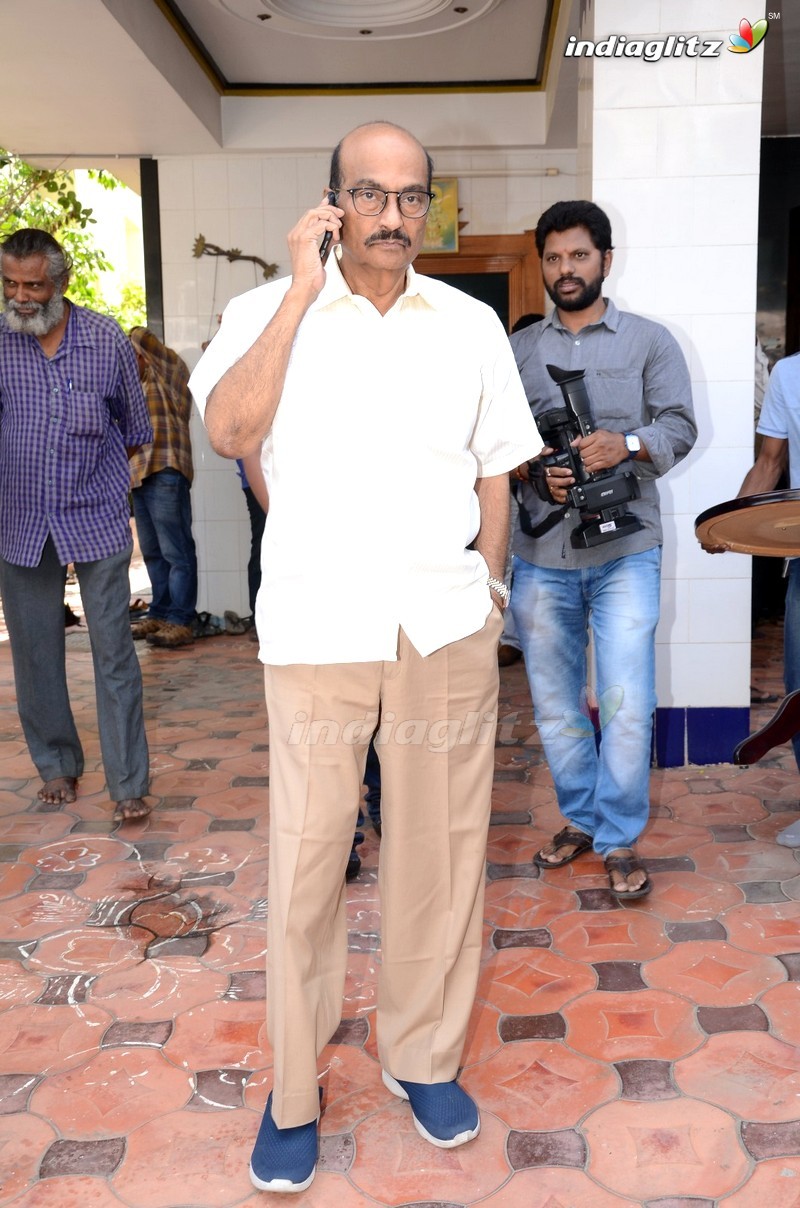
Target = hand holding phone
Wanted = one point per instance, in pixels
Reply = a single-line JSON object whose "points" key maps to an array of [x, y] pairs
{"points": [[325, 246]]}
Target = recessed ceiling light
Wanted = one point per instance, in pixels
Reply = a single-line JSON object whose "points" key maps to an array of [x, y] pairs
{"points": [[351, 19]]}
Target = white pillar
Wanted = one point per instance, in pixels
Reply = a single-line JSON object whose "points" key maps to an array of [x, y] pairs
{"points": [[674, 160]]}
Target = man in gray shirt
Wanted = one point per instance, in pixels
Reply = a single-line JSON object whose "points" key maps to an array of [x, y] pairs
{"points": [[587, 548]]}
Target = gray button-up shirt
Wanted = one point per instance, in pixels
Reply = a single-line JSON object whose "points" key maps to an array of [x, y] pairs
{"points": [[638, 382]]}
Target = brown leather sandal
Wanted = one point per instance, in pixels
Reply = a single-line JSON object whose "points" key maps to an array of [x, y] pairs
{"points": [[568, 837], [624, 866]]}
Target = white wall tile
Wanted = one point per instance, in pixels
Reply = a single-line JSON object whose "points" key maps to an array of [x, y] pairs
{"points": [[723, 208], [643, 216], [723, 346], [673, 625], [703, 675], [628, 139], [708, 140], [622, 17], [245, 187], [625, 82], [175, 183], [719, 610], [211, 183]]}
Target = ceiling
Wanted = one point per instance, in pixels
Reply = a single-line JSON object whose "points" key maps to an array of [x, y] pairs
{"points": [[116, 80], [301, 44]]}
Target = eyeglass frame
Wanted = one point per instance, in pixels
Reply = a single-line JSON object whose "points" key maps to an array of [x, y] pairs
{"points": [[387, 193]]}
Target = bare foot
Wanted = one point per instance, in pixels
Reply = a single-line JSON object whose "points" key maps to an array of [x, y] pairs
{"points": [[130, 810], [59, 790]]}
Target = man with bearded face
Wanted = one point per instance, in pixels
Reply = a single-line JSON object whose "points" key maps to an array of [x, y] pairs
{"points": [[639, 390], [71, 404]]}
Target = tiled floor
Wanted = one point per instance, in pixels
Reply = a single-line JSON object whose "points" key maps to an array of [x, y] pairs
{"points": [[621, 1055]]}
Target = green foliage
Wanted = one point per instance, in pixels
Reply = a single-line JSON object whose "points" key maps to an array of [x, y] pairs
{"points": [[40, 197]]}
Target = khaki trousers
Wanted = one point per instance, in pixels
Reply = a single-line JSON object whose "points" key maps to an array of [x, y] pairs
{"points": [[436, 749]]}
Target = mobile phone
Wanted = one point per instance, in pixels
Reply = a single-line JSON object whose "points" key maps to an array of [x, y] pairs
{"points": [[325, 246]]}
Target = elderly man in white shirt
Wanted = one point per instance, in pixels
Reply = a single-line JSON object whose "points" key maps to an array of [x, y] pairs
{"points": [[388, 411]]}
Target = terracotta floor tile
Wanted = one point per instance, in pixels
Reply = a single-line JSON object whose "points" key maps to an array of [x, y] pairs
{"points": [[774, 928], [39, 1038], [523, 981], [714, 974], [85, 949], [158, 990], [395, 1165], [782, 1007], [114, 1092], [17, 986], [540, 1085], [77, 1192], [602, 1054], [13, 879], [34, 828], [717, 808], [624, 934], [234, 1032], [521, 904], [34, 915], [687, 897], [551, 1188], [75, 854], [738, 862], [749, 1073], [776, 1183], [25, 1139], [619, 1027], [205, 1163], [673, 1148]]}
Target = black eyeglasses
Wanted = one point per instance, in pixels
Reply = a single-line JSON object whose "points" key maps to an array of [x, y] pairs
{"points": [[412, 203]]}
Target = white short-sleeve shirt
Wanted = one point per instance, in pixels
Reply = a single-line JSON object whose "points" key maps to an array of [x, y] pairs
{"points": [[384, 425]]}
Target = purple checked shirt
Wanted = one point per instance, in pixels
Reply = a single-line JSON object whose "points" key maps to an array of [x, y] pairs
{"points": [[65, 425]]}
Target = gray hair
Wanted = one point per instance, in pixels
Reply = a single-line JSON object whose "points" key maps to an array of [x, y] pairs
{"points": [[33, 242]]}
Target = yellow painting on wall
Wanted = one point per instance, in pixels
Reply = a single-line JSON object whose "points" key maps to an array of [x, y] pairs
{"points": [[441, 231]]}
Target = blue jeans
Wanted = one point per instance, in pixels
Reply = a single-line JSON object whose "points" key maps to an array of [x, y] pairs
{"points": [[163, 509], [791, 640], [602, 786]]}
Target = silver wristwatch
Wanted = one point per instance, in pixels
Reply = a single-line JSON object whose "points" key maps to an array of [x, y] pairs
{"points": [[632, 444], [500, 589]]}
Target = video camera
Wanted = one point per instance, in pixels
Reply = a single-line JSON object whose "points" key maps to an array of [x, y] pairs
{"points": [[598, 497]]}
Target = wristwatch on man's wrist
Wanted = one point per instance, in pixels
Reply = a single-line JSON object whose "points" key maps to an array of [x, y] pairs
{"points": [[632, 444], [500, 589]]}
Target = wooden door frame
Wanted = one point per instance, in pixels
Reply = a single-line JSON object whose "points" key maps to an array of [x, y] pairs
{"points": [[514, 255]]}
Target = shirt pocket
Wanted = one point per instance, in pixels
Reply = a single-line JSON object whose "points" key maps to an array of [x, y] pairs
{"points": [[616, 397], [86, 413]]}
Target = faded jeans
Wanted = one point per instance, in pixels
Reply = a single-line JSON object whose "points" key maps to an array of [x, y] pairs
{"points": [[602, 787]]}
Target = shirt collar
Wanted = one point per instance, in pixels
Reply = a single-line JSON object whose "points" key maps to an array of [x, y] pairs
{"points": [[609, 319], [336, 288]]}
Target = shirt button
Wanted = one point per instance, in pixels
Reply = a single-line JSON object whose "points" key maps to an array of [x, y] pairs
{"points": [[577, 342]]}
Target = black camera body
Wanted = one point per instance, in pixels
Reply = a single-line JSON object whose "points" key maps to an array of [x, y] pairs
{"points": [[600, 498]]}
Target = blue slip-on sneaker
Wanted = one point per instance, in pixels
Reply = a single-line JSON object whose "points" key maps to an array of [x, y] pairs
{"points": [[443, 1113], [284, 1159]]}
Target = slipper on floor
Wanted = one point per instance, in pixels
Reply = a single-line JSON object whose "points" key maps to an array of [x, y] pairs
{"points": [[568, 837], [759, 697], [624, 866], [137, 607]]}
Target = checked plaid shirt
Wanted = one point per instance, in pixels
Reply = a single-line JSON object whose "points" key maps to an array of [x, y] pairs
{"points": [[65, 425]]}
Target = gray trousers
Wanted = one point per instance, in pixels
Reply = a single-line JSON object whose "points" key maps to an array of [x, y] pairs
{"points": [[33, 604]]}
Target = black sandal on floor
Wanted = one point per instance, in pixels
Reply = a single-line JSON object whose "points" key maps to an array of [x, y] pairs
{"points": [[624, 866], [568, 837]]}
